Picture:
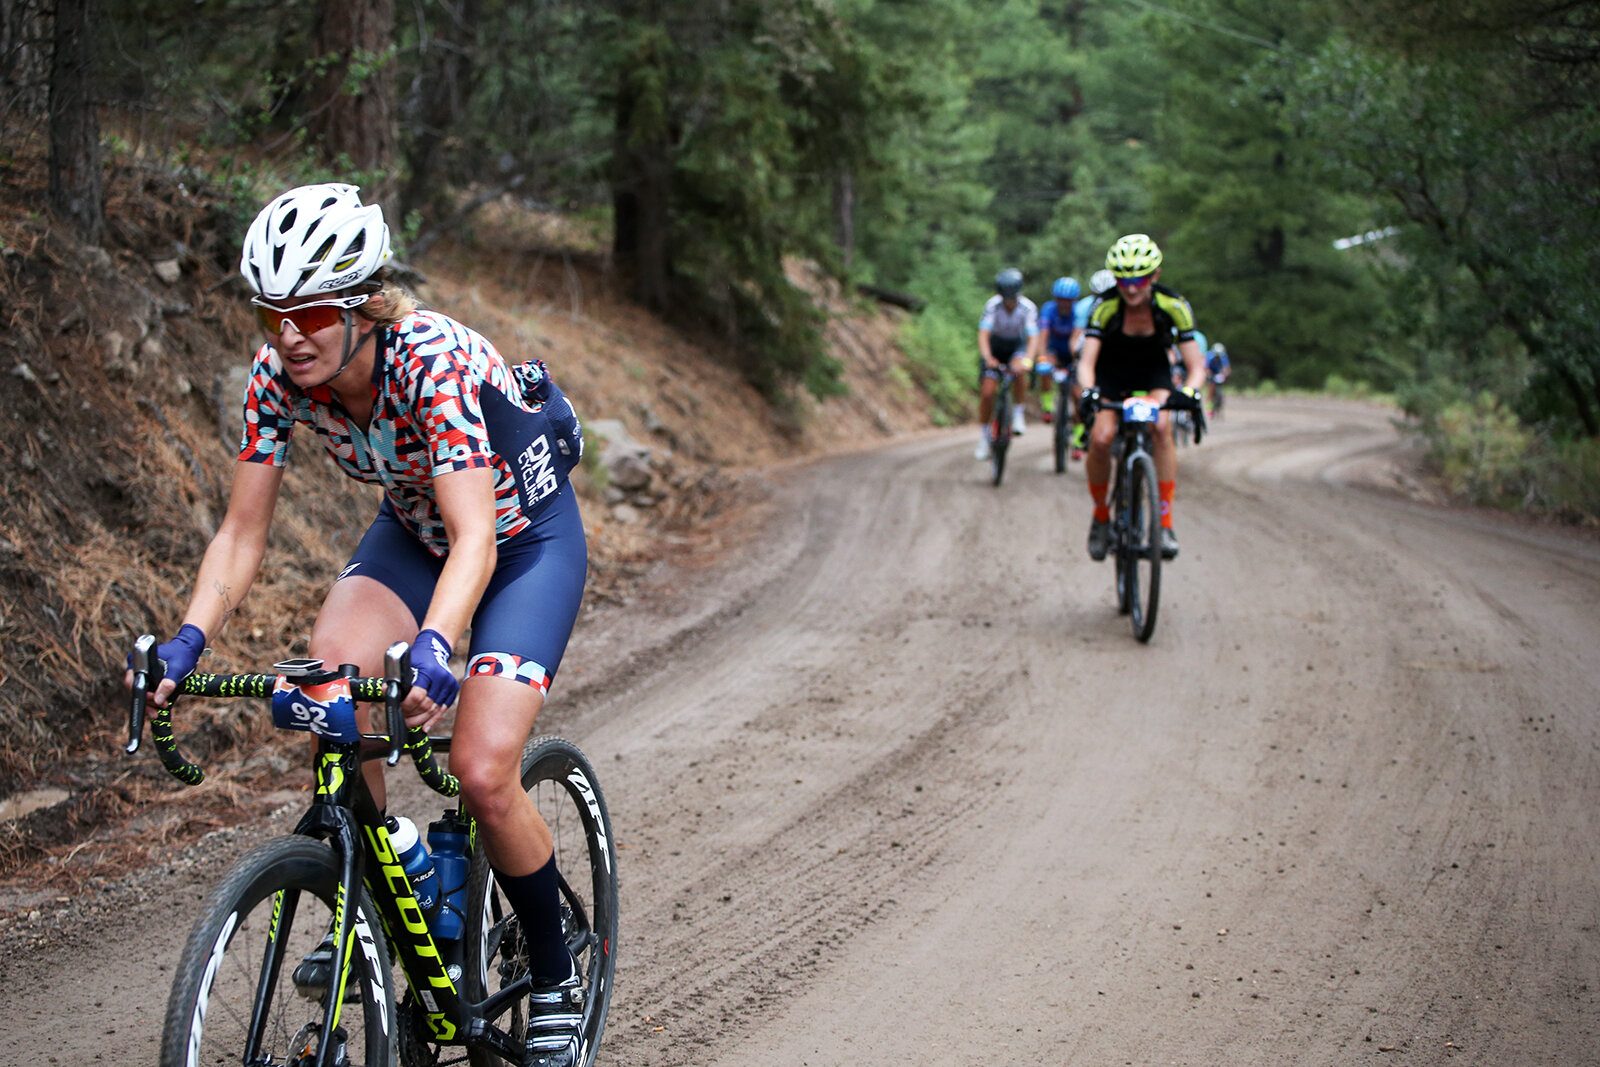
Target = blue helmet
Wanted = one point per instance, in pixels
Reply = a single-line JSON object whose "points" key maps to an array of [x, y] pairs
{"points": [[1066, 289]]}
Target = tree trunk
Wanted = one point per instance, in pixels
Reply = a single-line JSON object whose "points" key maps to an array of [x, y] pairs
{"points": [[844, 214], [449, 76], [353, 106], [24, 58], [74, 182], [641, 182]]}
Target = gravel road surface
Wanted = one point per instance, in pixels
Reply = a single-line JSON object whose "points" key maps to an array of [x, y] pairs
{"points": [[893, 783]]}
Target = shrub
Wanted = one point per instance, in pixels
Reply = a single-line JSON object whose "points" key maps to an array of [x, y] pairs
{"points": [[1482, 451]]}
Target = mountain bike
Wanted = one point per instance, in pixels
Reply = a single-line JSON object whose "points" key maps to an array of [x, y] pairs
{"points": [[1136, 508], [246, 990], [1000, 425]]}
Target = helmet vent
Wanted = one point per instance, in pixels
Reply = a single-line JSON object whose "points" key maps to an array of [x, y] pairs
{"points": [[352, 253], [287, 222], [323, 251]]}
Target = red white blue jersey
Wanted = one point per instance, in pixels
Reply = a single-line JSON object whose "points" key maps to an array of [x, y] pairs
{"points": [[443, 400]]}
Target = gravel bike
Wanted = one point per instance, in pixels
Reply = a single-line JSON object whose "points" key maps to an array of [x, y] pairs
{"points": [[1136, 507], [242, 993]]}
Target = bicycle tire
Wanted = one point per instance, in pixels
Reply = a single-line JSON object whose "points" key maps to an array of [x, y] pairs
{"points": [[284, 892], [563, 784], [1000, 433], [1144, 547], [1063, 431], [1119, 526]]}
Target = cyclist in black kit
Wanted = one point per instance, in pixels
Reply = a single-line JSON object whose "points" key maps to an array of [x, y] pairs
{"points": [[1125, 352]]}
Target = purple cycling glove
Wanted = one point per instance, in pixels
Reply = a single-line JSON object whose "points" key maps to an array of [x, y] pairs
{"points": [[430, 668], [179, 656]]}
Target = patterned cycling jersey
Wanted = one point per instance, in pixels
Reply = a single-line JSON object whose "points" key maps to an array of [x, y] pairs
{"points": [[443, 400], [1018, 322]]}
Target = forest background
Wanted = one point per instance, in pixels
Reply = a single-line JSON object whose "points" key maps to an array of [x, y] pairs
{"points": [[920, 146]]}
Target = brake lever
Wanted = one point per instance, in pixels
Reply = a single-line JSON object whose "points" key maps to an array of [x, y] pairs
{"points": [[396, 684], [144, 663]]}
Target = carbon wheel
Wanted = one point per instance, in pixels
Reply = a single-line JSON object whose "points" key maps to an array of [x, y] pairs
{"points": [[234, 999]]}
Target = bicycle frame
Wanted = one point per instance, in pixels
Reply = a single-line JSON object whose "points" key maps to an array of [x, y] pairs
{"points": [[344, 814], [1138, 436]]}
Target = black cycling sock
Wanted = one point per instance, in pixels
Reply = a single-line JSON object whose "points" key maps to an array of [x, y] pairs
{"points": [[536, 898]]}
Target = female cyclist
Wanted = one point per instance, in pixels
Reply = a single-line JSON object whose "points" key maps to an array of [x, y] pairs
{"points": [[478, 526], [1125, 352]]}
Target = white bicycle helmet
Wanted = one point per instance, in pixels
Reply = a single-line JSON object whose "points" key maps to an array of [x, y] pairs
{"points": [[1102, 281], [312, 240]]}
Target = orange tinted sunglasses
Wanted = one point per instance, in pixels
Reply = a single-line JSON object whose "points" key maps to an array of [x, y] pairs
{"points": [[306, 318]]}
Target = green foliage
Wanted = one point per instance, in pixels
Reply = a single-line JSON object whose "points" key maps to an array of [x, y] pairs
{"points": [[1483, 453], [941, 341], [923, 146], [1495, 172]]}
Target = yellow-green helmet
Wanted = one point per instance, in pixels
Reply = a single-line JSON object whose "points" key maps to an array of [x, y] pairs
{"points": [[1133, 255]]}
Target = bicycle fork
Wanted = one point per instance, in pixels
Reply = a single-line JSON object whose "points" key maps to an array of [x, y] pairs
{"points": [[336, 772]]}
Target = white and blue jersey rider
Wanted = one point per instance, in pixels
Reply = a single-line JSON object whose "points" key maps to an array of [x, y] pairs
{"points": [[1006, 329]]}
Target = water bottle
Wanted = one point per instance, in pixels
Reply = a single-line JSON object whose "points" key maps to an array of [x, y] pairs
{"points": [[448, 839], [419, 866]]}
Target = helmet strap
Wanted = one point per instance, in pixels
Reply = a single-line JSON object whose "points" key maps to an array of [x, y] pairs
{"points": [[347, 351]]}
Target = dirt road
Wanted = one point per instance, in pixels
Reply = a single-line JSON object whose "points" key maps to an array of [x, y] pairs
{"points": [[895, 784]]}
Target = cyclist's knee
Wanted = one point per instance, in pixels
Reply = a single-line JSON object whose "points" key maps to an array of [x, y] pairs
{"points": [[488, 791]]}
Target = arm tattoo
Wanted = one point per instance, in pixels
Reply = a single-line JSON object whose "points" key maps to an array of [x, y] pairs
{"points": [[228, 606]]}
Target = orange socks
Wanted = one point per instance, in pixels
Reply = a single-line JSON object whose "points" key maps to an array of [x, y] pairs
{"points": [[1102, 513], [1166, 489]]}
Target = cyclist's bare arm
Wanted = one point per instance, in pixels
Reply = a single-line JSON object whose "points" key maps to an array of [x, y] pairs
{"points": [[1086, 362], [1194, 364], [233, 558], [466, 505], [984, 351]]}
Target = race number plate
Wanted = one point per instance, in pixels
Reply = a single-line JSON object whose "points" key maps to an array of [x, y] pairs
{"points": [[326, 710], [1138, 409]]}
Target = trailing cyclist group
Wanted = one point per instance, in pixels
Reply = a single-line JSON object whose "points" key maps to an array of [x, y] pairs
{"points": [[1088, 351]]}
